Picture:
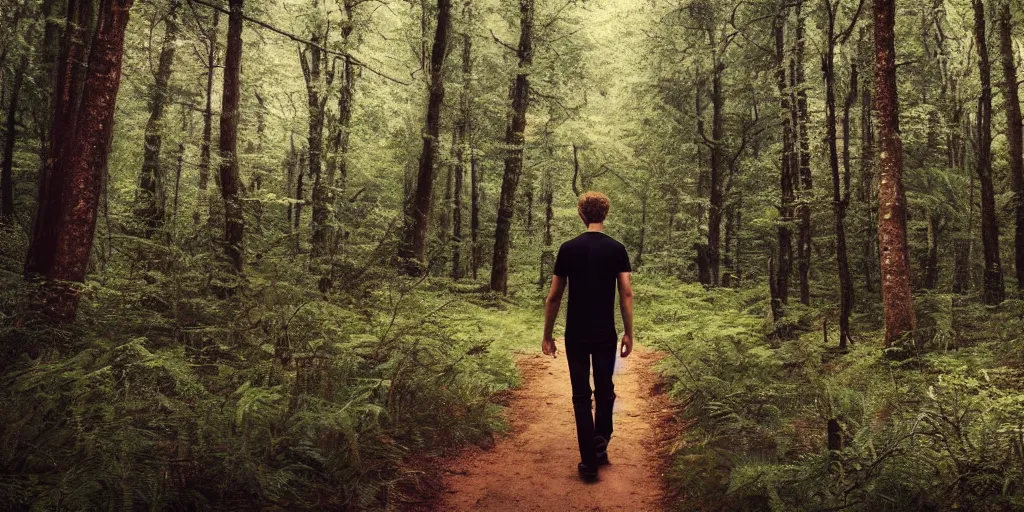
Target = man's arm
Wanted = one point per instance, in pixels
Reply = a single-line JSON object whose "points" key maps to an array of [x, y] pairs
{"points": [[551, 305], [626, 308]]}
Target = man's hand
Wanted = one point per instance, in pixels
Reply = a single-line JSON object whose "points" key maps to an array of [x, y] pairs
{"points": [[549, 348], [627, 345]]}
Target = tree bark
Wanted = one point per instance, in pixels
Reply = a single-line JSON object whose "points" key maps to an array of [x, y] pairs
{"points": [[234, 222], [1014, 134], [867, 177], [415, 246], [150, 196], [805, 181], [312, 62], [10, 137], [840, 182], [514, 140], [780, 286], [462, 126], [993, 274], [340, 129], [716, 203], [68, 87], [474, 213], [204, 148], [897, 298], [87, 162]]}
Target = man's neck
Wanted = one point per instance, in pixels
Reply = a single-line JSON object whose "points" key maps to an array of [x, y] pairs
{"points": [[595, 226]]}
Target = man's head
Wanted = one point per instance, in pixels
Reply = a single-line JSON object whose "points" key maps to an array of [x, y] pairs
{"points": [[593, 207]]}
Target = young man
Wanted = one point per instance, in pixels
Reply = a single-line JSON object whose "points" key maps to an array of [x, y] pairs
{"points": [[592, 264]]}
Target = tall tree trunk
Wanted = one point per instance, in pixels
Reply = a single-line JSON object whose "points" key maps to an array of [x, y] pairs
{"points": [[67, 93], [514, 140], [312, 62], [87, 162], [993, 275], [1014, 134], [840, 182], [780, 287], [234, 222], [149, 199], [716, 203], [867, 183], [806, 183], [415, 246], [10, 136], [462, 126], [474, 212], [203, 207], [931, 266], [338, 142], [897, 298]]}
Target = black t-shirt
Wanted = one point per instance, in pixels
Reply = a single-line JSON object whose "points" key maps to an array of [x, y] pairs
{"points": [[592, 262]]}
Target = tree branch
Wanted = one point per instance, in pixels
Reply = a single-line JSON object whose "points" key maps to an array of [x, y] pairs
{"points": [[298, 39]]}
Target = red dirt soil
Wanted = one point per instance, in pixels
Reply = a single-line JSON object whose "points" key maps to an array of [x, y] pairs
{"points": [[534, 468]]}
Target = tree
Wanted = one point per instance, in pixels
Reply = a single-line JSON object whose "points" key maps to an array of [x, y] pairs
{"points": [[514, 140], [10, 136], [150, 196], [993, 273], [460, 140], [779, 286], [805, 181], [1014, 132], [897, 298], [86, 158], [318, 82], [417, 225], [207, 140], [234, 222], [840, 183], [67, 93]]}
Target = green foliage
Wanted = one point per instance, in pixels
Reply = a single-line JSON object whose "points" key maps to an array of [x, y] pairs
{"points": [[941, 432], [165, 396]]}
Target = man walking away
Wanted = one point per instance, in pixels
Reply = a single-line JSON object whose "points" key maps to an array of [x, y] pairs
{"points": [[593, 265]]}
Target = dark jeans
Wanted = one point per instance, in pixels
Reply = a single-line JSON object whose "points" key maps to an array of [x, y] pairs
{"points": [[600, 423]]}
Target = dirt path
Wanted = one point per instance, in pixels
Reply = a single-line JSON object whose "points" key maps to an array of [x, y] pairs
{"points": [[534, 468]]}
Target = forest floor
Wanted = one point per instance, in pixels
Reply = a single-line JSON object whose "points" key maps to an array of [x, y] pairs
{"points": [[533, 468]]}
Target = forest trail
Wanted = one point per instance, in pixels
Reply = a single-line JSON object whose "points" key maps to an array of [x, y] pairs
{"points": [[534, 467]]}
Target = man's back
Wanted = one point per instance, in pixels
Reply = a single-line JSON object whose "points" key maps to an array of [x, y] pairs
{"points": [[592, 263]]}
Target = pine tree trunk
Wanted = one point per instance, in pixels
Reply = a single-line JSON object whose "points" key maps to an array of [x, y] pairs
{"points": [[1014, 134], [10, 137], [462, 126], [149, 199], [869, 254], [474, 219], [716, 203], [804, 146], [234, 223], [993, 274], [780, 286], [87, 162], [203, 207], [68, 87], [897, 298], [514, 140], [840, 182], [417, 228], [311, 60]]}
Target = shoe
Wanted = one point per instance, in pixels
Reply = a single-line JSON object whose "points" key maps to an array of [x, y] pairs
{"points": [[587, 472], [601, 447]]}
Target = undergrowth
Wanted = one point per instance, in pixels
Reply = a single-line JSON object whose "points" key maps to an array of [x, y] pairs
{"points": [[943, 430], [170, 394]]}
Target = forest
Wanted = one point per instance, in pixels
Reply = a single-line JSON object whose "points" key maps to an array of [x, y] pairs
{"points": [[288, 254]]}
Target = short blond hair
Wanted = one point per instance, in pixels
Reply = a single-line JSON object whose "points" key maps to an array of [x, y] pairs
{"points": [[593, 207]]}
